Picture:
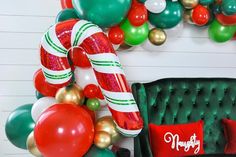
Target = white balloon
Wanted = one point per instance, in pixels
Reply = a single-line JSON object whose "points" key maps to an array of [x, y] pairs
{"points": [[103, 102], [85, 76], [155, 6], [40, 106], [175, 31]]}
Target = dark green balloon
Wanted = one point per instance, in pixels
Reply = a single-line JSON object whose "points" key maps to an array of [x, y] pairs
{"points": [[38, 95], [169, 18], [66, 14], [19, 125], [142, 1], [105, 13], [97, 152], [220, 33], [228, 7], [206, 2], [134, 35]]}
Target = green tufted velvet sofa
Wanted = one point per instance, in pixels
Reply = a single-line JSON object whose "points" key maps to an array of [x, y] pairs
{"points": [[182, 100]]}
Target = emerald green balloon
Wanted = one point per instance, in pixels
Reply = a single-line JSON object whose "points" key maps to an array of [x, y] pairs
{"points": [[228, 7], [97, 152], [169, 18], [66, 14], [134, 35], [105, 13], [206, 2], [220, 33], [38, 95], [19, 125]]}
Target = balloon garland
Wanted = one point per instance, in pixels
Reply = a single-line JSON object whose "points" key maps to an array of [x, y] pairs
{"points": [[81, 73]]}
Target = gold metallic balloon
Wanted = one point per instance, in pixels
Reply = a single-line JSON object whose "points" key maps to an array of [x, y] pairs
{"points": [[107, 124], [71, 94], [102, 139], [189, 4], [31, 146], [188, 16], [157, 36]]}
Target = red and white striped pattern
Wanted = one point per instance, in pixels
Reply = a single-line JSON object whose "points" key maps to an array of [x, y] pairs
{"points": [[55, 45]]}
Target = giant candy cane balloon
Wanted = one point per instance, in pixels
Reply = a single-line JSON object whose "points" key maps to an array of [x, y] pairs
{"points": [[55, 45]]}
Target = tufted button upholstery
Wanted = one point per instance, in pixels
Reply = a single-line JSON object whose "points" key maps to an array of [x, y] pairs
{"points": [[182, 100]]}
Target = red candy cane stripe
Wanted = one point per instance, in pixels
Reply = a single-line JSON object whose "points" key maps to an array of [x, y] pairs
{"points": [[55, 45]]}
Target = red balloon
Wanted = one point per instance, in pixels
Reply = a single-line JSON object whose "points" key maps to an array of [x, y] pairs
{"points": [[64, 130], [79, 58], [138, 14], [91, 91], [43, 86], [66, 4], [226, 20], [200, 15], [116, 35], [90, 112]]}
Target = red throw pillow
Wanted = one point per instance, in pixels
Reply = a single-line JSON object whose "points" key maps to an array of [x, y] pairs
{"points": [[230, 136], [176, 140]]}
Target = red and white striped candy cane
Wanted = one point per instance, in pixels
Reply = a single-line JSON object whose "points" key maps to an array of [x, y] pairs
{"points": [[55, 45]]}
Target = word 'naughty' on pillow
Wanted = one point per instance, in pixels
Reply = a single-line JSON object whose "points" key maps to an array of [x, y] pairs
{"points": [[176, 140]]}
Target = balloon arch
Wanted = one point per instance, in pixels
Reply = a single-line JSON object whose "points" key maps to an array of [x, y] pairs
{"points": [[80, 72]]}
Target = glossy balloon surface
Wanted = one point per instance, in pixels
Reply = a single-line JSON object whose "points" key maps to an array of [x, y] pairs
{"points": [[134, 35], [66, 14], [220, 33], [19, 125], [169, 18], [105, 13], [64, 130]]}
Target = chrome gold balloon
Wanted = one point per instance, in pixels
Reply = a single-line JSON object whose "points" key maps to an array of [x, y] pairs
{"points": [[102, 139], [31, 146], [188, 16], [107, 124], [189, 4], [157, 36], [71, 94]]}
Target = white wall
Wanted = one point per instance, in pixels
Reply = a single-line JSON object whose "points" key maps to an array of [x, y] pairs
{"points": [[22, 23]]}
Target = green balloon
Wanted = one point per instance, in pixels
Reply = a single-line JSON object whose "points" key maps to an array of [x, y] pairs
{"points": [[105, 13], [228, 7], [142, 1], [38, 95], [220, 33], [206, 2], [168, 18], [93, 104], [19, 125], [97, 152], [134, 35], [66, 14]]}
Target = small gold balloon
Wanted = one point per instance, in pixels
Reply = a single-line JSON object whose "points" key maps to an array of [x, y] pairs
{"points": [[107, 124], [188, 16], [71, 94], [102, 139], [189, 4], [157, 36], [31, 146]]}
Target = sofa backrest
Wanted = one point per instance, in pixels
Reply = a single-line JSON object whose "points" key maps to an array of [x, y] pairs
{"points": [[183, 100]]}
